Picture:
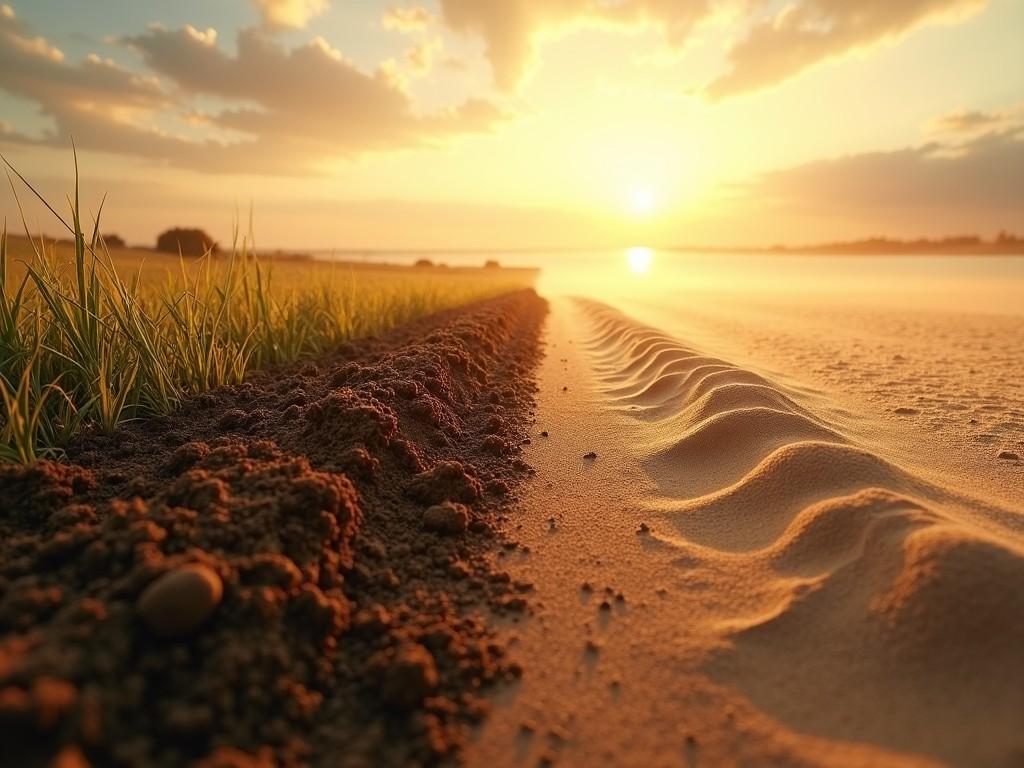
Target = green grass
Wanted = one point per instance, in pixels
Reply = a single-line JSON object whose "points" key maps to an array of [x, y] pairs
{"points": [[83, 347]]}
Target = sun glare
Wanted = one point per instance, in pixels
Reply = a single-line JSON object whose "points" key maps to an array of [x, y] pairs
{"points": [[641, 201], [639, 259]]}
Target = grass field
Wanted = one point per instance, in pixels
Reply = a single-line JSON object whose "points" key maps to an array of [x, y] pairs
{"points": [[91, 337]]}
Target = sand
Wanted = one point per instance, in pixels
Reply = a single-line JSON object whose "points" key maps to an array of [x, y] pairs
{"points": [[753, 571]]}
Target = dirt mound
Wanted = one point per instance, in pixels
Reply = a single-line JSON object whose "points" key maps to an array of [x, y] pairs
{"points": [[250, 582]]}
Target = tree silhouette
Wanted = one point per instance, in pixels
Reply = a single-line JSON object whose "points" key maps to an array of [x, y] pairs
{"points": [[189, 242]]}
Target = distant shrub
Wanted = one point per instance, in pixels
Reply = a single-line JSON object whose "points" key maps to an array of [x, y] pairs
{"points": [[114, 241], [422, 263], [190, 242], [492, 264]]}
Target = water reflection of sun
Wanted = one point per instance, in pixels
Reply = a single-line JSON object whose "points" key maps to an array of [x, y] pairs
{"points": [[639, 259]]}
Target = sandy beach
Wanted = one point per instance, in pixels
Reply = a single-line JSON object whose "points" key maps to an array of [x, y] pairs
{"points": [[813, 557]]}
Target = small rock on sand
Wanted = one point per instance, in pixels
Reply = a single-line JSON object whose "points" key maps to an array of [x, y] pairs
{"points": [[449, 518], [1008, 456], [591, 455], [179, 601]]}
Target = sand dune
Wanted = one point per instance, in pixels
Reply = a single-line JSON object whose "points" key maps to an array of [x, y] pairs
{"points": [[895, 605]]}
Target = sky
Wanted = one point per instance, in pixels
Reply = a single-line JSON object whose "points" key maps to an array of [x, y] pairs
{"points": [[489, 124]]}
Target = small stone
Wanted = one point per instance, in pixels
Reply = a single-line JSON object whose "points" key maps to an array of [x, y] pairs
{"points": [[544, 433], [591, 455], [643, 529], [1008, 456], [179, 601], [448, 518]]}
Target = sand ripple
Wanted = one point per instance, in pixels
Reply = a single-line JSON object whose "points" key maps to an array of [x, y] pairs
{"points": [[894, 608]]}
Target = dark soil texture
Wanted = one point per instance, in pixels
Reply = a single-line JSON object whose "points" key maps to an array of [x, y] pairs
{"points": [[298, 570]]}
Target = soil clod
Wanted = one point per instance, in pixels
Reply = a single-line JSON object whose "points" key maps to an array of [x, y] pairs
{"points": [[449, 518]]}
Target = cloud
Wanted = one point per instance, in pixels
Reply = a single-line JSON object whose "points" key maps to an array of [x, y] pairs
{"points": [[421, 57], [806, 33], [34, 69], [936, 187], [343, 109], [283, 110], [778, 42], [427, 48], [963, 123], [407, 20], [288, 14], [510, 28]]}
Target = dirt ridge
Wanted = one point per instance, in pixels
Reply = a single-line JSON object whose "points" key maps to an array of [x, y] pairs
{"points": [[336, 628]]}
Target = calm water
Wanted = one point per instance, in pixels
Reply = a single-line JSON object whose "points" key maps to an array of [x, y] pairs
{"points": [[990, 284]]}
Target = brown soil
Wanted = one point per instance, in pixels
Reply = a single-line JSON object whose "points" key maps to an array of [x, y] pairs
{"points": [[292, 571]]}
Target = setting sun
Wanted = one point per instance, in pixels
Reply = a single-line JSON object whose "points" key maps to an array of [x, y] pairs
{"points": [[642, 201], [639, 259]]}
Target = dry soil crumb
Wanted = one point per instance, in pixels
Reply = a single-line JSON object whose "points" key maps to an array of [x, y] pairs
{"points": [[247, 583]]}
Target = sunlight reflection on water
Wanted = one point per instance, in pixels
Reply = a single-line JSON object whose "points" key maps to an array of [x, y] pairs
{"points": [[993, 284]]}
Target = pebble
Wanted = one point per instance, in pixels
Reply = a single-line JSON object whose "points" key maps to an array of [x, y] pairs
{"points": [[1008, 456], [179, 601]]}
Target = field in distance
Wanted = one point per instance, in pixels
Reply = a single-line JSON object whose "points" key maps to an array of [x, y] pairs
{"points": [[92, 336]]}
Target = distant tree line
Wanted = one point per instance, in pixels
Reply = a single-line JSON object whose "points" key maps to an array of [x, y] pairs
{"points": [[183, 240], [1003, 242]]}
